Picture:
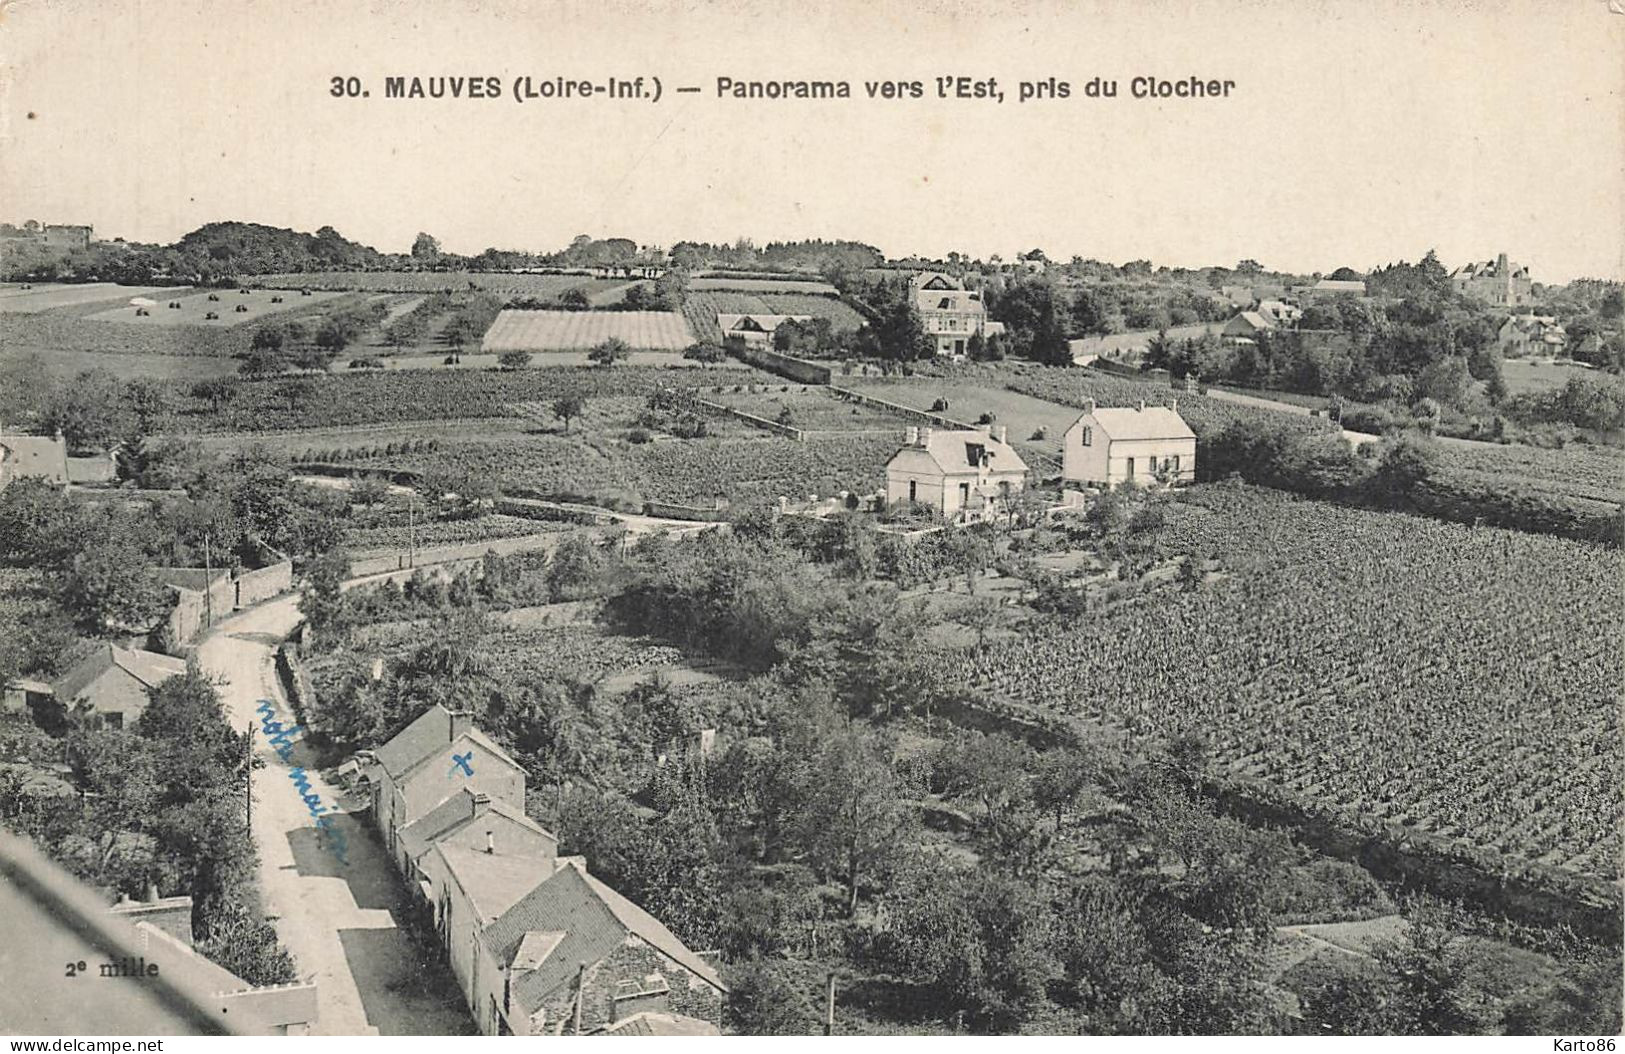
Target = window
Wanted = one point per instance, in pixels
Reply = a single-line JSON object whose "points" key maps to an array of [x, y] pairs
{"points": [[1088, 436], [1130, 468], [1176, 464], [964, 494], [113, 721], [913, 490]]}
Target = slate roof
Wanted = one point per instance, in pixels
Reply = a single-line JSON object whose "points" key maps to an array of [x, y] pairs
{"points": [[950, 452], [494, 882], [653, 1023], [471, 733], [594, 919], [755, 323], [42, 456], [452, 814], [1152, 422], [148, 667], [427, 734]]}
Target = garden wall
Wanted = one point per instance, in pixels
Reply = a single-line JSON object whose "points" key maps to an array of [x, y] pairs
{"points": [[930, 417], [784, 365], [717, 409]]}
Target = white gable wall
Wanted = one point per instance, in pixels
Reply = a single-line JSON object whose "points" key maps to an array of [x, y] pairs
{"points": [[1105, 462]]}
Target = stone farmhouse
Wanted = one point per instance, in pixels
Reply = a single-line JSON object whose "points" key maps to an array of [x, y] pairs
{"points": [[963, 474], [1110, 446], [1496, 282], [537, 945], [1522, 335], [754, 330], [950, 313], [110, 686]]}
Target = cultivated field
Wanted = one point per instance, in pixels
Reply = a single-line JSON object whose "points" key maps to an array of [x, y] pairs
{"points": [[702, 309], [812, 408], [1431, 678], [1593, 472], [545, 286], [579, 330], [763, 285], [1538, 375], [14, 299], [195, 307]]}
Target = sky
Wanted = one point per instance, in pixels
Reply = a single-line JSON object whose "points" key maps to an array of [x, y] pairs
{"points": [[1357, 133]]}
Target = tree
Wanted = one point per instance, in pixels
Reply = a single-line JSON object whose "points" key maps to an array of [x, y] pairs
{"points": [[765, 1000], [609, 352], [296, 393], [575, 299], [263, 362], [322, 599], [216, 391], [425, 247], [112, 585], [1613, 304], [369, 490], [267, 338], [90, 412], [853, 816], [568, 406], [514, 359], [705, 352]]}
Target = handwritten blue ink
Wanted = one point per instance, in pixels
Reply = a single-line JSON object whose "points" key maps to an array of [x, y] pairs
{"points": [[282, 740], [464, 762]]}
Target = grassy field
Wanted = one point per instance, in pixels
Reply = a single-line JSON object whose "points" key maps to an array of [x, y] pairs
{"points": [[126, 365], [811, 408], [1538, 375], [230, 307], [579, 330], [762, 285], [1022, 414], [14, 299]]}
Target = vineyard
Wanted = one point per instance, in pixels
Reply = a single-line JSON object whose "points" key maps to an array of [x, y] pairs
{"points": [[810, 407], [577, 330], [763, 285], [739, 470], [1594, 472], [397, 533], [702, 308], [504, 285], [420, 395], [1446, 681]]}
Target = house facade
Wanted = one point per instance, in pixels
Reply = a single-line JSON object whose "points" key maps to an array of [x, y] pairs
{"points": [[1110, 446], [754, 330], [110, 686], [437, 756], [965, 474], [950, 313], [1522, 335], [1497, 281], [1246, 327]]}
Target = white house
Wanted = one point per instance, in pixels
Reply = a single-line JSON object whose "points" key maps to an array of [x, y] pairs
{"points": [[950, 313], [1107, 446], [959, 473]]}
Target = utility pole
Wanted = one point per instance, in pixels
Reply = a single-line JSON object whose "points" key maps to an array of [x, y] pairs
{"points": [[208, 582], [411, 531], [248, 779], [829, 1006]]}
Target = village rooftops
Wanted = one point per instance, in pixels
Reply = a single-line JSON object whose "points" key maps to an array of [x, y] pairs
{"points": [[424, 737], [960, 452], [594, 921], [755, 323], [495, 882], [147, 667], [654, 1023], [1141, 422], [455, 812]]}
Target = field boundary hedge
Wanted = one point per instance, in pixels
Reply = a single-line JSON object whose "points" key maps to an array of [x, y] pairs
{"points": [[784, 365], [717, 409], [929, 417]]}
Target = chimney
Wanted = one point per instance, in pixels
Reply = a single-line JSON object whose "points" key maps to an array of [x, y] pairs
{"points": [[152, 893], [1001, 432], [490, 843], [1501, 265], [1173, 404], [481, 798], [1089, 406], [911, 436], [925, 437], [461, 721], [1142, 406]]}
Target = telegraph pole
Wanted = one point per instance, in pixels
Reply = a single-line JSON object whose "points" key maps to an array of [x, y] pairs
{"points": [[248, 779], [411, 530], [208, 582]]}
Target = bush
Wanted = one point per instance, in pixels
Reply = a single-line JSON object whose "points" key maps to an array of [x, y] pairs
{"points": [[638, 435]]}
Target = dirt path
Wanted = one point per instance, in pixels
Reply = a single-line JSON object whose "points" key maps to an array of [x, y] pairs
{"points": [[336, 899]]}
